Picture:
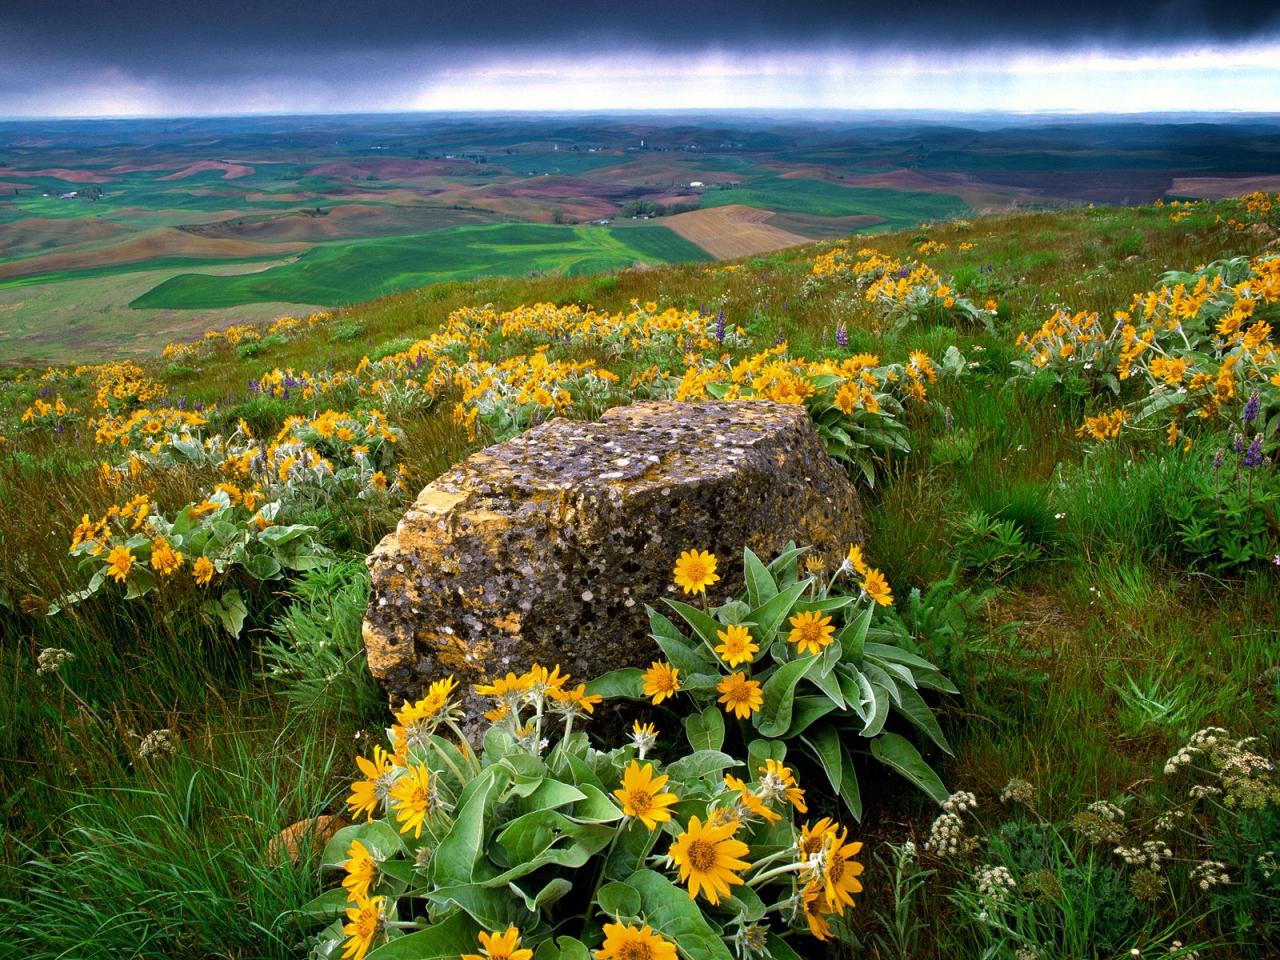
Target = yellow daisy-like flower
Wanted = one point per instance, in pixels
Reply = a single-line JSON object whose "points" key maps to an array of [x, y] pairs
{"points": [[501, 946], [365, 923], [708, 858], [641, 795], [877, 588], [840, 871], [634, 943], [577, 698], [542, 680], [741, 697], [164, 559], [412, 796], [855, 560], [736, 645], [811, 631], [505, 687], [119, 562], [754, 804], [816, 910], [366, 793], [202, 571], [782, 779], [813, 839], [661, 680], [695, 571], [362, 871]]}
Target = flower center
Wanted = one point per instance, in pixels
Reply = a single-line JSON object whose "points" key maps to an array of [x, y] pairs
{"points": [[738, 690], [634, 950], [696, 571], [835, 869], [702, 855], [640, 800]]}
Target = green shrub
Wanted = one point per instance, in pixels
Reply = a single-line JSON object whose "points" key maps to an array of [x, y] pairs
{"points": [[316, 654], [1227, 517], [991, 548], [816, 678]]}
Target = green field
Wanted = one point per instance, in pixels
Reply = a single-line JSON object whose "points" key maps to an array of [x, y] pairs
{"points": [[899, 208], [351, 272]]}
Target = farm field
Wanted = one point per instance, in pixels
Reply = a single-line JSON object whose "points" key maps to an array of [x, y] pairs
{"points": [[85, 199], [1052, 727], [339, 274]]}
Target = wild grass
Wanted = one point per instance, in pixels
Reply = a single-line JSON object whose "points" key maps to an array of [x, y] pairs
{"points": [[1088, 663]]}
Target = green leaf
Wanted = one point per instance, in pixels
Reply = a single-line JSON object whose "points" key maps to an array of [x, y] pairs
{"points": [[704, 625], [779, 696], [699, 764], [565, 948], [828, 683], [854, 636], [555, 889], [761, 586], [808, 710], [824, 741], [901, 755], [676, 647], [758, 751], [617, 900], [783, 566], [378, 837], [881, 703], [918, 713], [492, 908], [263, 566], [229, 610], [857, 691], [778, 949], [439, 941], [850, 793], [330, 904], [627, 682], [455, 860], [705, 730], [628, 853], [551, 794], [675, 916], [770, 615], [596, 807]]}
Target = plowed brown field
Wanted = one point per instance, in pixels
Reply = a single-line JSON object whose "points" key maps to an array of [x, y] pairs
{"points": [[732, 231]]}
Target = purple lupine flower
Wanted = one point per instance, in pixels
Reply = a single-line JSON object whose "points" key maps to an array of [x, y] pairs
{"points": [[1252, 407], [253, 386], [720, 326], [1253, 456], [702, 309], [842, 336], [1218, 457], [904, 273], [777, 341], [786, 304], [1237, 444]]}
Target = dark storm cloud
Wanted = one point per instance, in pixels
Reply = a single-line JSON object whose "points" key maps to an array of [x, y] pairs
{"points": [[200, 35]]}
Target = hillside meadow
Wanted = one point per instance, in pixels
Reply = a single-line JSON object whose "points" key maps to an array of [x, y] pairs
{"points": [[1053, 655]]}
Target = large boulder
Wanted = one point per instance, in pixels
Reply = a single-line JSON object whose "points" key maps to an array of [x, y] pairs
{"points": [[546, 548]]}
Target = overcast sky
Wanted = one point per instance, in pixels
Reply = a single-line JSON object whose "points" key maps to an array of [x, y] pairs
{"points": [[188, 57]]}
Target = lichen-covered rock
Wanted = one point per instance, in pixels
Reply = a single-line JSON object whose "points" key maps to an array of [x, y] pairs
{"points": [[546, 548]]}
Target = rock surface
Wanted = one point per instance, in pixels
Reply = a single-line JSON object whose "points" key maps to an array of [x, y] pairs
{"points": [[546, 548]]}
